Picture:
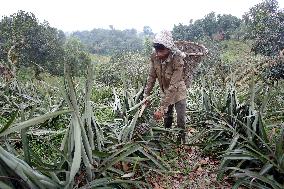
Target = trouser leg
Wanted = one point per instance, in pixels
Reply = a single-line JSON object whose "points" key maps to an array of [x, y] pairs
{"points": [[168, 117], [180, 107]]}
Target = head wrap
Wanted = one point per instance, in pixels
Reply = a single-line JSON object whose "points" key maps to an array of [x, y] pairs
{"points": [[165, 38]]}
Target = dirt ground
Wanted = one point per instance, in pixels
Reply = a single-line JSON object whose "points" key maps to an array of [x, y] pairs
{"points": [[190, 171]]}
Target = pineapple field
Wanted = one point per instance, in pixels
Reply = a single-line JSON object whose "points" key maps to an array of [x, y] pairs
{"points": [[72, 115]]}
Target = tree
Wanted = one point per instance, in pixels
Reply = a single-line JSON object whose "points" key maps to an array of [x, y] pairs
{"points": [[110, 41], [147, 30], [266, 27], [26, 42], [228, 24], [208, 26], [180, 32], [76, 56]]}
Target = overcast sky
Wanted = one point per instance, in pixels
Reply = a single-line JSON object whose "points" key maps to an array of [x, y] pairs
{"points": [[72, 15]]}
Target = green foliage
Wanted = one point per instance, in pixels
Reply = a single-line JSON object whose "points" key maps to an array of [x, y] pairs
{"points": [[109, 41], [148, 48], [125, 68], [110, 144], [260, 165], [276, 70], [234, 127], [234, 51], [76, 57], [147, 30], [20, 174], [103, 141], [28, 43], [210, 25], [98, 152], [96, 58], [265, 26], [102, 94], [228, 24]]}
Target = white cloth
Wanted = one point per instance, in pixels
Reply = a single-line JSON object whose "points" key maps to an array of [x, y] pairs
{"points": [[165, 38]]}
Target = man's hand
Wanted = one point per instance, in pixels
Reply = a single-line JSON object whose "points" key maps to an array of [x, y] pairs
{"points": [[159, 114]]}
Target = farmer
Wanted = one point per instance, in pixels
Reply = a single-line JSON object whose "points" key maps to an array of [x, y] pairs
{"points": [[167, 66]]}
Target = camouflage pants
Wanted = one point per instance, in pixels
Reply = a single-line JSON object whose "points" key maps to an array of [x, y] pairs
{"points": [[180, 108]]}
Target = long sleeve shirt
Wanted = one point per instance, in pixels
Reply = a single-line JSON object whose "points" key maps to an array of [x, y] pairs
{"points": [[170, 76]]}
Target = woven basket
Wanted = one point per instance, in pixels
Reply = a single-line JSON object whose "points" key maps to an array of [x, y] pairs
{"points": [[191, 48], [194, 54]]}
